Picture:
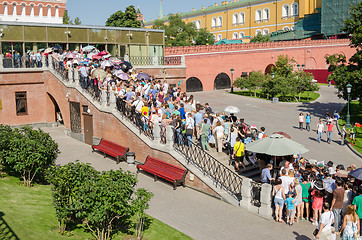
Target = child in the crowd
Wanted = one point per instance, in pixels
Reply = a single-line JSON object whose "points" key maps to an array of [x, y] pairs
{"points": [[289, 202]]}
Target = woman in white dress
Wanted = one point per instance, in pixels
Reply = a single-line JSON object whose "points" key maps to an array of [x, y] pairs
{"points": [[350, 224]]}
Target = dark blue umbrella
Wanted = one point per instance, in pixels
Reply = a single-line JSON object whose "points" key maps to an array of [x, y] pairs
{"points": [[143, 76], [126, 66], [356, 173]]}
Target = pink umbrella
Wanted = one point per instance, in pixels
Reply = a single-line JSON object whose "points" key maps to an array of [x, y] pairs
{"points": [[70, 55], [103, 53], [96, 57], [120, 74]]}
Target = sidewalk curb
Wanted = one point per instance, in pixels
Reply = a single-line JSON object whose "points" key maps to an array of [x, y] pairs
{"points": [[348, 145]]}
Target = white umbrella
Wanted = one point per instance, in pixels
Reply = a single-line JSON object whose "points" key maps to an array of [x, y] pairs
{"points": [[106, 63], [48, 50], [232, 109]]}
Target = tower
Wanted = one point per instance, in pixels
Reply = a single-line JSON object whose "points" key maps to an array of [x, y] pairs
{"points": [[161, 12]]}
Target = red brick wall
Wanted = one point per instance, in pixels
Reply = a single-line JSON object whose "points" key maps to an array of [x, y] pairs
{"points": [[206, 62]]}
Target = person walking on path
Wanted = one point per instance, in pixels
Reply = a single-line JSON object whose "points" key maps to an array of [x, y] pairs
{"points": [[238, 154], [320, 129], [337, 204], [329, 131], [307, 122], [204, 133], [219, 135], [351, 224], [301, 121], [325, 223], [343, 134], [353, 134], [279, 196]]}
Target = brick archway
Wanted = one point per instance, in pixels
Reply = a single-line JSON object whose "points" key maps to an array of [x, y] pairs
{"points": [[193, 84], [269, 68], [222, 81]]}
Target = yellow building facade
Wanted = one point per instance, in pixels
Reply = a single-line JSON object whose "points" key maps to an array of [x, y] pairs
{"points": [[246, 18]]}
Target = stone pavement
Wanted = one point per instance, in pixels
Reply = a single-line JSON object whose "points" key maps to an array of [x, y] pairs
{"points": [[191, 212], [283, 117]]}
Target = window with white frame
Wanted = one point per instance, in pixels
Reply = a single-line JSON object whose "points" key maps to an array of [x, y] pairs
{"points": [[198, 24], [32, 10], [14, 9], [5, 9], [57, 11], [241, 34], [215, 38], [285, 11], [235, 19], [258, 32], [265, 31], [235, 35], [23, 10], [40, 10], [266, 14], [49, 12], [295, 9], [258, 15], [219, 37], [213, 22], [286, 28], [242, 18], [292, 28], [194, 22], [219, 22]]}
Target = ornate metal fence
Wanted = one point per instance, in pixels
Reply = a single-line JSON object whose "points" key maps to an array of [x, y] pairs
{"points": [[255, 193], [141, 122], [223, 176], [175, 61]]}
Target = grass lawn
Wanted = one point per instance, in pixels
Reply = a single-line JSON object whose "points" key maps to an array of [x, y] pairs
{"points": [[28, 213], [356, 116], [305, 96]]}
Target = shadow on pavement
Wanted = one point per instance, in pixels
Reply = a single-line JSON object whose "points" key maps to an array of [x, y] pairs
{"points": [[318, 109], [6, 233], [300, 237]]}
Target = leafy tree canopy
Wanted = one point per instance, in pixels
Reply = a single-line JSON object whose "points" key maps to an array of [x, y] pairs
{"points": [[344, 72], [124, 19], [68, 20], [260, 38], [179, 33]]}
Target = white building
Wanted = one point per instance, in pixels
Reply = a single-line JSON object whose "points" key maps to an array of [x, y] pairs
{"points": [[45, 11]]}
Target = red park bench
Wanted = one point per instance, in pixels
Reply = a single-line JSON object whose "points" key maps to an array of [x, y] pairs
{"points": [[164, 170], [112, 149]]}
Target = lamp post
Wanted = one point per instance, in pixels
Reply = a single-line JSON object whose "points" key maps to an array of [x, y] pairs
{"points": [[348, 118], [232, 80]]}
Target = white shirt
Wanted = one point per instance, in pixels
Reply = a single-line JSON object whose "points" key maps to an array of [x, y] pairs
{"points": [[301, 119], [286, 182], [138, 104], [219, 131], [327, 219], [320, 127], [189, 123]]}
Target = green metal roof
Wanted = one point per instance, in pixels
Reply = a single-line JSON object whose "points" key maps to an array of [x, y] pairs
{"points": [[292, 35], [226, 41], [213, 9]]}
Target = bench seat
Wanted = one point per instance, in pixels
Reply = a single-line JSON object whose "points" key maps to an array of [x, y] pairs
{"points": [[112, 149]]}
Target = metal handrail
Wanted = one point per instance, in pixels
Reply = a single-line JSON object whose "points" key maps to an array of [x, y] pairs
{"points": [[214, 169], [130, 113]]}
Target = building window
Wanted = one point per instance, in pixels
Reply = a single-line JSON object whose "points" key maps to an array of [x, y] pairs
{"points": [[5, 9], [21, 103], [258, 32], [286, 28], [241, 34], [235, 35], [23, 10], [266, 14], [241, 18], [49, 13], [57, 11], [295, 9], [219, 22], [258, 15], [40, 10], [265, 31], [219, 37], [14, 9], [235, 19], [194, 22], [213, 22], [285, 11], [32, 10], [198, 24]]}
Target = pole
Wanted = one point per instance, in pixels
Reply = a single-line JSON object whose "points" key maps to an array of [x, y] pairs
{"points": [[348, 118]]}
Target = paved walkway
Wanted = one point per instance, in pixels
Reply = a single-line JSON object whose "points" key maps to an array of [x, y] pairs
{"points": [[193, 213], [277, 117]]}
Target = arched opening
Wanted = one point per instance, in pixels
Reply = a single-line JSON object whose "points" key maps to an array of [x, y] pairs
{"points": [[269, 69], [55, 114], [193, 84], [222, 81]]}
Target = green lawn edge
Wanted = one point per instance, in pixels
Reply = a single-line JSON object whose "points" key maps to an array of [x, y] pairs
{"points": [[305, 96], [356, 116], [28, 213]]}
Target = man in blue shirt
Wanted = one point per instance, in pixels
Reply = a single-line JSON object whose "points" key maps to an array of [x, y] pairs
{"points": [[182, 111], [265, 174], [38, 60], [198, 119]]}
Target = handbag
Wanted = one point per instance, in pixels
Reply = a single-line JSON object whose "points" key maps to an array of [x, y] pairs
{"points": [[189, 131], [315, 232]]}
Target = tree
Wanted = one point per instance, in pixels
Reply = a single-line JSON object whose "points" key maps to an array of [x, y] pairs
{"points": [[68, 20], [252, 83], [30, 152], [141, 204], [351, 72], [179, 33], [124, 19], [66, 181], [260, 38], [302, 82]]}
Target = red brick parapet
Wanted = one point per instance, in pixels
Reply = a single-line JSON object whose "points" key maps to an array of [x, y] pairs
{"points": [[169, 51]]}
